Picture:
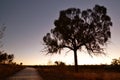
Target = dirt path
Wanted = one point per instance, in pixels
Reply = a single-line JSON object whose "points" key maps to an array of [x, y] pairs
{"points": [[26, 74]]}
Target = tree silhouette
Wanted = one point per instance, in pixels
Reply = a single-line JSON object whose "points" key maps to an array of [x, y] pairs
{"points": [[10, 58], [3, 57], [6, 58], [56, 62], [59, 63], [75, 28], [115, 61]]}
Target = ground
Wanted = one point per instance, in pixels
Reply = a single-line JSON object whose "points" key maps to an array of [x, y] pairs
{"points": [[102, 72]]}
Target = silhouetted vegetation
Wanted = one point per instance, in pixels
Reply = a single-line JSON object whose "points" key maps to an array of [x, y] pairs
{"points": [[59, 63], [76, 28], [115, 61], [6, 58], [21, 63]]}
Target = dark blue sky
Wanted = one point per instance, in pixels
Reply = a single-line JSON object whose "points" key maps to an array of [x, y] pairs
{"points": [[28, 21]]}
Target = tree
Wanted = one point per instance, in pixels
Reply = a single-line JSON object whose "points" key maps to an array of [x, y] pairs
{"points": [[75, 28], [3, 57], [21, 63], [115, 61], [10, 58], [59, 63], [56, 62], [6, 58]]}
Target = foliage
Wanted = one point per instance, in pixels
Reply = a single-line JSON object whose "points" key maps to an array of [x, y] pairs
{"points": [[75, 28], [115, 61], [59, 63], [6, 58], [21, 63]]}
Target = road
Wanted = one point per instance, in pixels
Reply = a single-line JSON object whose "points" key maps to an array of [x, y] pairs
{"points": [[26, 74]]}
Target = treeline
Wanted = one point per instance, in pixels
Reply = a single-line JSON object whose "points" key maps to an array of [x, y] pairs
{"points": [[6, 58]]}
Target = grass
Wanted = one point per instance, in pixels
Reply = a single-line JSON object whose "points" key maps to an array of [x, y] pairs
{"points": [[55, 75], [7, 70], [85, 73]]}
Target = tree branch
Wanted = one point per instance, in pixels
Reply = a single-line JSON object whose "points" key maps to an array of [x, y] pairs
{"points": [[64, 46]]}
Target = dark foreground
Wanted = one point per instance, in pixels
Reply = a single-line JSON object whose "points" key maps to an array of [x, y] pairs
{"points": [[7, 70], [87, 72], [28, 73], [101, 72]]}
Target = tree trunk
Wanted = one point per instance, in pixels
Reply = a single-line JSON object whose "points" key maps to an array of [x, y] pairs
{"points": [[75, 58]]}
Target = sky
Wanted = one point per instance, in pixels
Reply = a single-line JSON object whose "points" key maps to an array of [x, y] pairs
{"points": [[27, 21]]}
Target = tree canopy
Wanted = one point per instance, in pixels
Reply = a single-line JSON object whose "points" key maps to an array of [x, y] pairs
{"points": [[115, 61], [6, 58], [76, 28]]}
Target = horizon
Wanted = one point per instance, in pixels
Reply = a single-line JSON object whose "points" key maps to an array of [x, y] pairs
{"points": [[27, 21]]}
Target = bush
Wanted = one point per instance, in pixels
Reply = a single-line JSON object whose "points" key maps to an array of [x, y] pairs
{"points": [[115, 61]]}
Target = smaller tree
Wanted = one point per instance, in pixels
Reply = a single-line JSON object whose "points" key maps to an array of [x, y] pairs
{"points": [[56, 62], [21, 63], [59, 63], [6, 58], [3, 57], [10, 58], [115, 61]]}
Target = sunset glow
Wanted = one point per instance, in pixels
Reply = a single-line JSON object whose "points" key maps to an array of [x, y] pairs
{"points": [[27, 21]]}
